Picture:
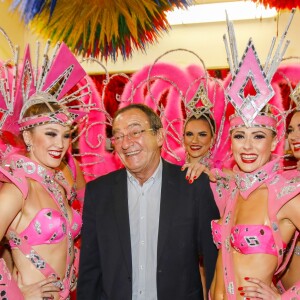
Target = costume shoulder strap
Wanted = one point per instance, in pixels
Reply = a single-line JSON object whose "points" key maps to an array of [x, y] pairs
{"points": [[283, 188], [12, 171], [221, 189]]}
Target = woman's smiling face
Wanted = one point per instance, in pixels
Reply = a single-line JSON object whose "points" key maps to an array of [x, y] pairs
{"points": [[48, 143], [252, 147], [198, 138]]}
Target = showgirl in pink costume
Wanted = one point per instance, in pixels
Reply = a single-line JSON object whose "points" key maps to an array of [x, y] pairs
{"points": [[35, 212], [259, 205]]}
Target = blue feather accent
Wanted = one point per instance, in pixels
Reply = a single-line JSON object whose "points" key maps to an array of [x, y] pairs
{"points": [[30, 8], [52, 6]]}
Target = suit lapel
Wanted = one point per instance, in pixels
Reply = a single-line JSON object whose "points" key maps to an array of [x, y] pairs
{"points": [[169, 194], [120, 198]]}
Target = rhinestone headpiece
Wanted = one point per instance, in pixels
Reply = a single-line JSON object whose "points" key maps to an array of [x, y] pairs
{"points": [[295, 96], [54, 82], [201, 111], [252, 106], [62, 115]]}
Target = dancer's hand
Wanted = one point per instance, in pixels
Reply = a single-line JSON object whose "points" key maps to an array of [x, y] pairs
{"points": [[44, 289], [259, 290], [194, 170]]}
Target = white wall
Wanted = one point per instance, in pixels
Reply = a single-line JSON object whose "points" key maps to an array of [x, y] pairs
{"points": [[204, 39]]}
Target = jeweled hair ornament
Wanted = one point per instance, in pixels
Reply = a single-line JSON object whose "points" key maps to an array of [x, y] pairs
{"points": [[253, 109], [203, 110], [295, 96], [55, 81], [62, 115], [176, 94]]}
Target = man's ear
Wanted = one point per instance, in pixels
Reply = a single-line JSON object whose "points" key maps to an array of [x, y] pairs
{"points": [[160, 135]]}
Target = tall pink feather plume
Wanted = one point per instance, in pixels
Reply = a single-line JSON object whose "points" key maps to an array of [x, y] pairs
{"points": [[287, 77], [9, 138], [168, 100], [8, 104], [290, 73], [95, 160], [216, 93], [171, 88], [168, 86], [284, 81]]}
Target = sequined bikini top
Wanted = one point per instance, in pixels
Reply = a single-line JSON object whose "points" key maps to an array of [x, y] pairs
{"points": [[49, 227], [247, 239]]}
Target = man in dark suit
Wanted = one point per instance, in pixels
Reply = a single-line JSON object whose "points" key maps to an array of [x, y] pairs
{"points": [[145, 226]]}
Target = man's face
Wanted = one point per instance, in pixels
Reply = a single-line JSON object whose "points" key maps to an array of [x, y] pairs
{"points": [[136, 144]]}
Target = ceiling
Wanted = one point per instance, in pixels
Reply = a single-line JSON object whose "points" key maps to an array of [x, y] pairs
{"points": [[211, 1]]}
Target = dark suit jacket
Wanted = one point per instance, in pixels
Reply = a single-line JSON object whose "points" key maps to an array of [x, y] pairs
{"points": [[186, 210]]}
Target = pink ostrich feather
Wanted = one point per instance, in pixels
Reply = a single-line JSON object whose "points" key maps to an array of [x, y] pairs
{"points": [[95, 159], [216, 94], [162, 89], [167, 89]]}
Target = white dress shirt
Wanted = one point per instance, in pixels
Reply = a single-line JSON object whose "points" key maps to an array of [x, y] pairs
{"points": [[144, 208]]}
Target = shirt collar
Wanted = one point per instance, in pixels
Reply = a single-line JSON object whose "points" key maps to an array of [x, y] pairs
{"points": [[157, 174]]}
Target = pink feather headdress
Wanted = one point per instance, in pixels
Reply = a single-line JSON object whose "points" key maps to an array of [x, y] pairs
{"points": [[176, 94], [54, 82]]}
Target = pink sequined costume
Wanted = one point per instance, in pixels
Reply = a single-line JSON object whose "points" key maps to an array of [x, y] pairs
{"points": [[249, 239], [251, 94], [55, 82], [49, 226]]}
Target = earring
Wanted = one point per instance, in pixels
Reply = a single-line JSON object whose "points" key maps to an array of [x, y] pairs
{"points": [[28, 147]]}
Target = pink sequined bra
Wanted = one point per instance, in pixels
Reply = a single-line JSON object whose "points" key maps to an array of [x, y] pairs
{"points": [[49, 227], [247, 239]]}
